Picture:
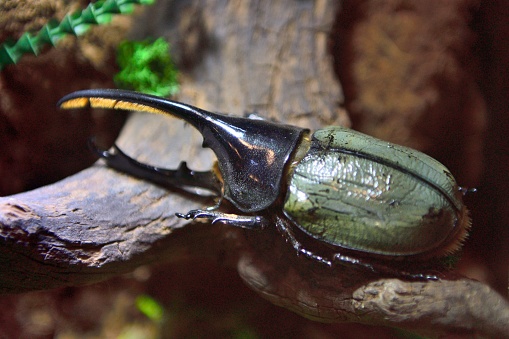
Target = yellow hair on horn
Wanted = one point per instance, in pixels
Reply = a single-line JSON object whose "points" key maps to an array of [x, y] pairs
{"points": [[110, 104]]}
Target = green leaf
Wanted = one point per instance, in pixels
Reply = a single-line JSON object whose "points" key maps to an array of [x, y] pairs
{"points": [[146, 67], [150, 307]]}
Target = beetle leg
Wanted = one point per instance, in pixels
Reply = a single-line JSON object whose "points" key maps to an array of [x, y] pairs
{"points": [[338, 258], [250, 222], [379, 268], [182, 177], [290, 237]]}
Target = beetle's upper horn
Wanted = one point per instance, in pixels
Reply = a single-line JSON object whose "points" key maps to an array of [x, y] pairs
{"points": [[252, 154]]}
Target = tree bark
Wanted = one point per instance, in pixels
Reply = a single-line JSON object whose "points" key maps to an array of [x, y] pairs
{"points": [[237, 57]]}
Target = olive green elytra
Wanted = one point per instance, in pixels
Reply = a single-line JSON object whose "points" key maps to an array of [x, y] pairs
{"points": [[358, 192]]}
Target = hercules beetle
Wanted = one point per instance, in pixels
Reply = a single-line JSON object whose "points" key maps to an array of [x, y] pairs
{"points": [[339, 187]]}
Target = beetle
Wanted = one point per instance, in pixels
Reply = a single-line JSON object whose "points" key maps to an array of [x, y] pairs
{"points": [[346, 190]]}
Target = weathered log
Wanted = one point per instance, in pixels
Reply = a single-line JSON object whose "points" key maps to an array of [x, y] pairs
{"points": [[270, 57]]}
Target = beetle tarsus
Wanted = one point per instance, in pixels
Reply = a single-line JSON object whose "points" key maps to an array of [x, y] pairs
{"points": [[312, 256], [250, 222], [287, 233], [344, 259], [378, 268]]}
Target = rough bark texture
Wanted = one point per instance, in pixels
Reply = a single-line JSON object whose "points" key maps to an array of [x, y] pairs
{"points": [[237, 56]]}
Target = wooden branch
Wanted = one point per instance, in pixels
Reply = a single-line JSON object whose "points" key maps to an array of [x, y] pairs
{"points": [[431, 308], [100, 223]]}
